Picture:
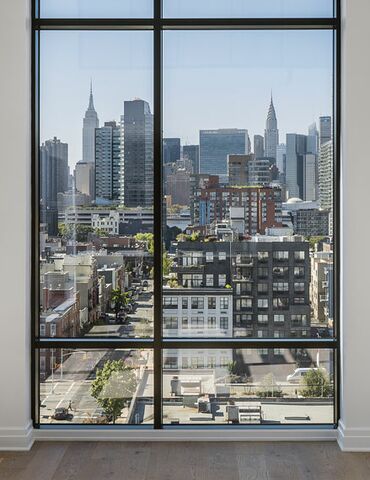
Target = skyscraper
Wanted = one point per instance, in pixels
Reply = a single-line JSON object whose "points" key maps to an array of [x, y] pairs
{"points": [[301, 168], [192, 153], [295, 151], [108, 169], [84, 178], [281, 157], [53, 180], [216, 145], [326, 176], [258, 149], [90, 123], [271, 132], [325, 130], [313, 139], [137, 148], [171, 150]]}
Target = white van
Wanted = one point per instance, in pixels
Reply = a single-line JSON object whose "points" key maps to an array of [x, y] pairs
{"points": [[299, 373]]}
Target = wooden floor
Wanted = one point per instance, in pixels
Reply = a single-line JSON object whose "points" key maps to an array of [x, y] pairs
{"points": [[184, 461]]}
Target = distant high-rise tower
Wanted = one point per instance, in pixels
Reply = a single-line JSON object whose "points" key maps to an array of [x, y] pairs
{"points": [[108, 162], [325, 131], [313, 139], [326, 172], [192, 153], [301, 167], [216, 145], [171, 150], [271, 132], [53, 180], [137, 148], [90, 123], [281, 157], [259, 149]]}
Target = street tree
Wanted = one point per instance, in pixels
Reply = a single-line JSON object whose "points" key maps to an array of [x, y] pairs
{"points": [[315, 383], [120, 299], [114, 387]]}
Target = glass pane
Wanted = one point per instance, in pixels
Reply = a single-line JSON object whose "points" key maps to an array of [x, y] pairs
{"points": [[96, 386], [96, 184], [96, 8], [248, 183], [248, 8], [241, 387]]}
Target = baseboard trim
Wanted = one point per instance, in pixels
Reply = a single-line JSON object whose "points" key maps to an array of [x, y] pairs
{"points": [[22, 439], [353, 439], [16, 438], [185, 435]]}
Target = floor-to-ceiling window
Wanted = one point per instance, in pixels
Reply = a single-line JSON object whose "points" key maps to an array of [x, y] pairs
{"points": [[185, 208]]}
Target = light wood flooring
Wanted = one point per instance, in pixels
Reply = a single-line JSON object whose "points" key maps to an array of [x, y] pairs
{"points": [[184, 461]]}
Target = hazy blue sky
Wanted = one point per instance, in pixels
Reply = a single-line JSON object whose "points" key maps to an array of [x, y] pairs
{"points": [[187, 8], [211, 79]]}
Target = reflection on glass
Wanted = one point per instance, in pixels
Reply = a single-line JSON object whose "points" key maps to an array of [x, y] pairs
{"points": [[250, 386], [96, 184], [96, 386], [248, 185], [96, 8]]}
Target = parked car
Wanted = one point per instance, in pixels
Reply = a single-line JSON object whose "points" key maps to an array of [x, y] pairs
{"points": [[61, 413], [298, 373]]}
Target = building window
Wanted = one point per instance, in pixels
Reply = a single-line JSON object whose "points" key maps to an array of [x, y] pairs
{"points": [[263, 303], [263, 318], [299, 287], [170, 323], [262, 288], [299, 256], [279, 318], [263, 256], [211, 303], [209, 280], [221, 256], [197, 303], [117, 183], [299, 272], [280, 287], [280, 255], [211, 322], [209, 257], [170, 302], [224, 303], [224, 323], [197, 322], [221, 280]]}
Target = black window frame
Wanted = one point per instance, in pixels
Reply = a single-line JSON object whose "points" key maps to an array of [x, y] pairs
{"points": [[157, 24]]}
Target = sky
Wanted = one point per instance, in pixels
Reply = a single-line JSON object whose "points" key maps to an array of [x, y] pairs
{"points": [[211, 79], [187, 8]]}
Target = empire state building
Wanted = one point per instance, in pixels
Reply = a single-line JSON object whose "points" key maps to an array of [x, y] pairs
{"points": [[90, 123], [271, 132]]}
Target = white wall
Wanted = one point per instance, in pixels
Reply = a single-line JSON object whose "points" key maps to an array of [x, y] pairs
{"points": [[354, 432], [15, 211]]}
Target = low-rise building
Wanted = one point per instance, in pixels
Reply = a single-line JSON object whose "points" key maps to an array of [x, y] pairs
{"points": [[269, 277], [197, 312], [108, 224]]}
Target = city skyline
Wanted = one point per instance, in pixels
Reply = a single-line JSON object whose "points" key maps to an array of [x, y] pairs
{"points": [[62, 112]]}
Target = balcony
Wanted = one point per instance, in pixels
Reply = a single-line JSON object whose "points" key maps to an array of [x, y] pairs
{"points": [[244, 262], [240, 278]]}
